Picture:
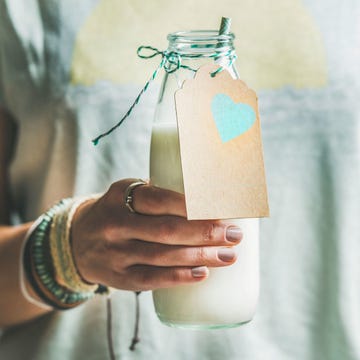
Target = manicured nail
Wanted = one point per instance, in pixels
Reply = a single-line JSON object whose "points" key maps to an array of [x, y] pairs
{"points": [[233, 234], [226, 254], [200, 271]]}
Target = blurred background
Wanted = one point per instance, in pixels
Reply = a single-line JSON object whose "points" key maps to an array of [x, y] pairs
{"points": [[278, 43]]}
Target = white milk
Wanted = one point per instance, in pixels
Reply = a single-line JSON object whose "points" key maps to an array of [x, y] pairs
{"points": [[228, 297]]}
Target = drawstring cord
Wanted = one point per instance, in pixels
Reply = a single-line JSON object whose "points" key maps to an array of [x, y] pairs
{"points": [[109, 328], [135, 339]]}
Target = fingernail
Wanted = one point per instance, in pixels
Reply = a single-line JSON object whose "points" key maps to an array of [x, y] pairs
{"points": [[200, 271], [233, 234], [226, 254]]}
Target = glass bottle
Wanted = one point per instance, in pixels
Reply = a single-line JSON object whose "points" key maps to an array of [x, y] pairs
{"points": [[228, 297]]}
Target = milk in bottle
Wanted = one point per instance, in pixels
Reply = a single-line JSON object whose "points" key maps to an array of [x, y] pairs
{"points": [[228, 297]]}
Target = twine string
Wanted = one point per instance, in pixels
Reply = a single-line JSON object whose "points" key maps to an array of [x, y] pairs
{"points": [[171, 61]]}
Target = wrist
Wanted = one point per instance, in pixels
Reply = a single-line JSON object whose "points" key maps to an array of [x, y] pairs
{"points": [[48, 261], [77, 231]]}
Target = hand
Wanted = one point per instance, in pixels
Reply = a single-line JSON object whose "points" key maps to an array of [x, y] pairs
{"points": [[156, 247]]}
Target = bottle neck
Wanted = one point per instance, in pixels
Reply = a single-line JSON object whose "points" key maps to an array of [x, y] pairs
{"points": [[193, 49], [198, 47]]}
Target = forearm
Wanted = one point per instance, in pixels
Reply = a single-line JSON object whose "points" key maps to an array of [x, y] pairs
{"points": [[14, 308]]}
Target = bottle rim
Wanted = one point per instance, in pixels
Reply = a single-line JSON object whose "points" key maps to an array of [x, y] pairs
{"points": [[190, 36], [204, 43]]}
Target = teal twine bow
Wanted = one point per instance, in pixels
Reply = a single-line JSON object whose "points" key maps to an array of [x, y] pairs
{"points": [[171, 62]]}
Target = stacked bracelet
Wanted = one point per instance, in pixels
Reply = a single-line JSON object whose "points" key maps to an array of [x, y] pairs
{"points": [[60, 248], [48, 260]]}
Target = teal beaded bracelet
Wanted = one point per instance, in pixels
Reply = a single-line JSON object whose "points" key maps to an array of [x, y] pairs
{"points": [[39, 269]]}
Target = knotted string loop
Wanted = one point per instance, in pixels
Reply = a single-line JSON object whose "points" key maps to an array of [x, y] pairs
{"points": [[171, 60]]}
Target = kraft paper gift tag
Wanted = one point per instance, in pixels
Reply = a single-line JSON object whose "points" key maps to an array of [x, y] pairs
{"points": [[220, 146]]}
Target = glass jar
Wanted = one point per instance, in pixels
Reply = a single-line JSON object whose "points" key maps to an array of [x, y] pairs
{"points": [[228, 297]]}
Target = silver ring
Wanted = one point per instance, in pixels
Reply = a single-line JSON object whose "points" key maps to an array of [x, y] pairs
{"points": [[128, 194]]}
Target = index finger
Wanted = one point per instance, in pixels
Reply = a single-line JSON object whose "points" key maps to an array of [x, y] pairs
{"points": [[153, 200]]}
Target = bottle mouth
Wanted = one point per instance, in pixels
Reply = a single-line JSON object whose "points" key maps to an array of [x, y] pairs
{"points": [[199, 36], [202, 42]]}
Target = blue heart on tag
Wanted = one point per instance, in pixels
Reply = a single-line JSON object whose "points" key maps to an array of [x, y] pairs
{"points": [[231, 119]]}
